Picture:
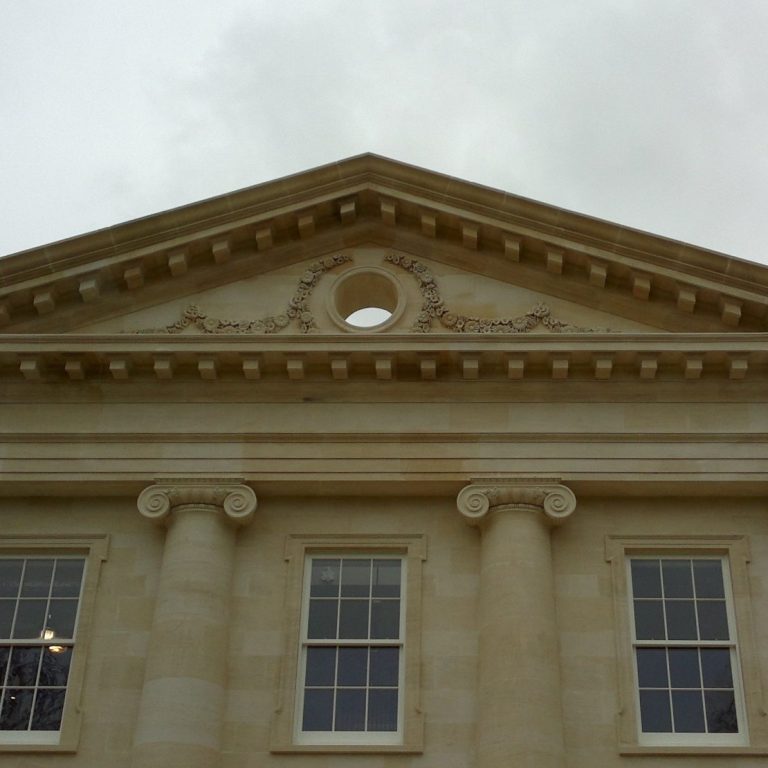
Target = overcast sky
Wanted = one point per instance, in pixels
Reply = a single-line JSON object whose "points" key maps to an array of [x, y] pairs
{"points": [[651, 113]]}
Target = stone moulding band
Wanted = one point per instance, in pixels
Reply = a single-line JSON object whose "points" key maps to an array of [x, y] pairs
{"points": [[556, 501], [237, 501]]}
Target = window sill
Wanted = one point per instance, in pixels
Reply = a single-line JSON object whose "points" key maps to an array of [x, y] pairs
{"points": [[348, 749], [636, 750]]}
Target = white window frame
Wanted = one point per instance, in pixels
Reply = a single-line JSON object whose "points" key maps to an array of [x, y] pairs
{"points": [[350, 737], [93, 550], [739, 738], [286, 735], [753, 734]]}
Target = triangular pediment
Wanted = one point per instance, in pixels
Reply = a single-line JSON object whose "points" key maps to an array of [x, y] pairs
{"points": [[498, 263]]}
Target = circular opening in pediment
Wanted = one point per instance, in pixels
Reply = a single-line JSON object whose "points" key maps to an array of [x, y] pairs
{"points": [[366, 299], [368, 317]]}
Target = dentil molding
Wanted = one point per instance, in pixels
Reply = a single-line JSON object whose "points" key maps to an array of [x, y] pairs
{"points": [[475, 502], [237, 501]]}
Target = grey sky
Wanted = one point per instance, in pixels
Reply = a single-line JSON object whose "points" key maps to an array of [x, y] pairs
{"points": [[652, 113]]}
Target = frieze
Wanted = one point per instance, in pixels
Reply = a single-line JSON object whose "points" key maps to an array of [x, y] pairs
{"points": [[434, 308]]}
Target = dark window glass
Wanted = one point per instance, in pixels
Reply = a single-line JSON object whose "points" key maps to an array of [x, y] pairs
{"points": [[49, 707], [646, 578], [716, 668], [318, 710], [10, 577], [385, 663], [708, 575], [652, 668], [681, 620], [356, 578], [385, 619], [17, 707], [61, 617], [382, 710], [713, 619], [54, 667], [655, 712], [353, 666], [386, 578], [5, 652], [721, 712], [350, 709], [684, 668], [23, 666], [688, 711], [325, 578], [30, 619], [353, 621], [37, 578], [7, 609], [649, 620], [322, 619], [677, 578], [67, 578], [321, 666]]}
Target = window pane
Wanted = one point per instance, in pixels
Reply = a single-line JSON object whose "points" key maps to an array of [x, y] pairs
{"points": [[684, 668], [322, 619], [382, 710], [646, 578], [678, 581], [23, 666], [721, 712], [17, 706], [353, 622], [325, 578], [681, 620], [7, 608], [30, 619], [708, 575], [318, 710], [385, 619], [67, 578], [61, 617], [353, 666], [10, 577], [713, 620], [386, 578], [652, 668], [5, 652], [37, 578], [649, 620], [355, 578], [385, 663], [716, 668], [321, 666], [54, 668], [350, 710], [688, 711], [655, 712], [49, 707]]}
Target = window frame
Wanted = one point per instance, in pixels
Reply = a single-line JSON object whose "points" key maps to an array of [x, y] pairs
{"points": [[93, 549], [286, 734], [733, 552]]}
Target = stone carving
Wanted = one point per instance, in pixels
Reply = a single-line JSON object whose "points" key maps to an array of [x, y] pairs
{"points": [[237, 501], [556, 501], [434, 308], [297, 310]]}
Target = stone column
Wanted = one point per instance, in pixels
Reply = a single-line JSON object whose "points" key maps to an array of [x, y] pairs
{"points": [[182, 703], [519, 707]]}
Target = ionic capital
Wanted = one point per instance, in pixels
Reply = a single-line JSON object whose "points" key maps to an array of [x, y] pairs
{"points": [[235, 500], [548, 496]]}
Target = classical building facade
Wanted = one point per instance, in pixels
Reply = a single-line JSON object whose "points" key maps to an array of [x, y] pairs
{"points": [[522, 520]]}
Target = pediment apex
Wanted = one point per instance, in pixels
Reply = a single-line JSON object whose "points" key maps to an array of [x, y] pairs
{"points": [[368, 198]]}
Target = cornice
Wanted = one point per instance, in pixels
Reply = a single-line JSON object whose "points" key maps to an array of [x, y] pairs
{"points": [[280, 222], [410, 357]]}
